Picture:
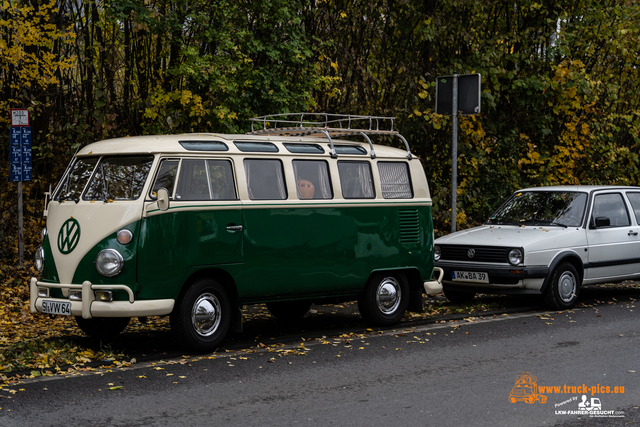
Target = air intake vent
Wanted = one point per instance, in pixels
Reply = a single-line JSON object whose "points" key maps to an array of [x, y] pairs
{"points": [[409, 226], [480, 253]]}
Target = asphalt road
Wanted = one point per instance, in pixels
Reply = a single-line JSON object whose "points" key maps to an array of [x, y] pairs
{"points": [[454, 373]]}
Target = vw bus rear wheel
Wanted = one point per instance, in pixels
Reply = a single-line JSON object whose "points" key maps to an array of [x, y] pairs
{"points": [[384, 299], [202, 316], [289, 310], [102, 327]]}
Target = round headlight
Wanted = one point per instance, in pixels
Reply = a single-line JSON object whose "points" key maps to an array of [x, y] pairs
{"points": [[109, 262], [43, 234], [515, 256], [39, 259], [436, 252]]}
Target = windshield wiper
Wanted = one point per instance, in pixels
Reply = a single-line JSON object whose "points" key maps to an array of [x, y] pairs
{"points": [[529, 222], [543, 222]]}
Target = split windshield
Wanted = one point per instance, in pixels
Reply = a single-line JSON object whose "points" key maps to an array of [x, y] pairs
{"points": [[553, 208], [105, 179]]}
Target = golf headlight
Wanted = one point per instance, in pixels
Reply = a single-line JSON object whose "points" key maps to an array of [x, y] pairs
{"points": [[436, 252], [39, 261], [109, 262], [515, 256]]}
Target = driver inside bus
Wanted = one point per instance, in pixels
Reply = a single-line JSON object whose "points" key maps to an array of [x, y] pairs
{"points": [[306, 189]]}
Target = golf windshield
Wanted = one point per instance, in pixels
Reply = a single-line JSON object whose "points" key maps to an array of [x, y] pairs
{"points": [[554, 208]]}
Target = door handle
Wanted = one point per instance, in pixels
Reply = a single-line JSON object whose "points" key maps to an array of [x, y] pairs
{"points": [[632, 233], [239, 228]]}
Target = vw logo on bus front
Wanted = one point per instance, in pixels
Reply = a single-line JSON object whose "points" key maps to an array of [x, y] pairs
{"points": [[68, 236]]}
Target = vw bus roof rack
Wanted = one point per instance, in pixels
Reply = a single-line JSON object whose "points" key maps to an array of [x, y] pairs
{"points": [[327, 125]]}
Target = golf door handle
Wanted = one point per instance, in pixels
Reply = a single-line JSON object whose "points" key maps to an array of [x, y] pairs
{"points": [[234, 228], [633, 233]]}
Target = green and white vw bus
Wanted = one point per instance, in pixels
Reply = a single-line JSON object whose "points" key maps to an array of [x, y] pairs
{"points": [[195, 226]]}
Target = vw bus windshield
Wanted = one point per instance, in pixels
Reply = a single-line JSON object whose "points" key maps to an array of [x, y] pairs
{"points": [[119, 178], [76, 179], [112, 178], [554, 208]]}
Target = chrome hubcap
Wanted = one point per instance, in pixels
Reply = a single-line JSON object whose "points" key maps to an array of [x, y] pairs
{"points": [[206, 314], [567, 286], [388, 295]]}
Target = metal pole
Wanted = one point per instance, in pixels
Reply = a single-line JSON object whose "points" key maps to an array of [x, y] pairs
{"points": [[20, 230], [454, 154]]}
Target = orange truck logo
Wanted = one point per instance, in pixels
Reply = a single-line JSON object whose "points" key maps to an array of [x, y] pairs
{"points": [[526, 389]]}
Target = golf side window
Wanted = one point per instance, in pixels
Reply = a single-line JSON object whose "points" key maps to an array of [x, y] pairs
{"points": [[609, 210], [634, 198]]}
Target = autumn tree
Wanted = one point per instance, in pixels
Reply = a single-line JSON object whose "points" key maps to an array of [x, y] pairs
{"points": [[559, 81]]}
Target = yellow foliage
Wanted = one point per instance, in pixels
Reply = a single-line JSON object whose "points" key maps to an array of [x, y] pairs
{"points": [[461, 220], [189, 102], [27, 37]]}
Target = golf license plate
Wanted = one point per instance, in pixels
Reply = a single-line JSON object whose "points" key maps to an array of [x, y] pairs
{"points": [[469, 276], [56, 307]]}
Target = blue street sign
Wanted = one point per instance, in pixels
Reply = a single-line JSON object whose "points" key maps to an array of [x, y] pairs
{"points": [[20, 154], [15, 154]]}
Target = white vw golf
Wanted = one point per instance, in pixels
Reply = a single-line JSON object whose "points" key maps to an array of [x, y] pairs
{"points": [[548, 241]]}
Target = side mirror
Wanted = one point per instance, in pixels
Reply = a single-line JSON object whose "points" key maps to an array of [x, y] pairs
{"points": [[602, 221], [163, 199]]}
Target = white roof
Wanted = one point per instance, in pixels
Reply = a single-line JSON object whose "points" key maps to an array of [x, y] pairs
{"points": [[169, 144], [579, 188]]}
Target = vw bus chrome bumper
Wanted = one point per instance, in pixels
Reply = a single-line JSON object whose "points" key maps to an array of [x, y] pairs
{"points": [[434, 286], [88, 306]]}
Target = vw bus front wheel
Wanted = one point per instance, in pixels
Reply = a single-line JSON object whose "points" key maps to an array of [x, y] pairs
{"points": [[384, 299], [202, 316], [102, 327]]}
